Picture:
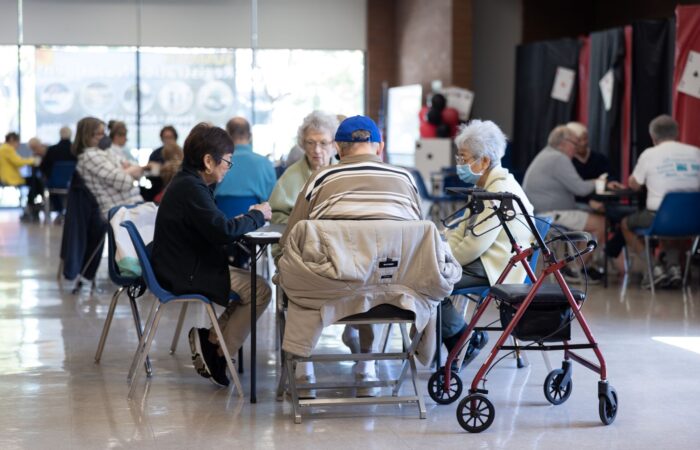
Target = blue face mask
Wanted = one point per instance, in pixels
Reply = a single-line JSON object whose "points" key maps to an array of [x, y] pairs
{"points": [[465, 173]]}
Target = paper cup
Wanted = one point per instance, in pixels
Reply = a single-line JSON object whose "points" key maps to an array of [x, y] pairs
{"points": [[600, 186]]}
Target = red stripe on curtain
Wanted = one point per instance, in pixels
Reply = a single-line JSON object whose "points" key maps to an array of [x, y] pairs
{"points": [[686, 108], [626, 109], [584, 61]]}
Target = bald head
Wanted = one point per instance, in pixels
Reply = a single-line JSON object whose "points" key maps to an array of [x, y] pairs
{"points": [[239, 130]]}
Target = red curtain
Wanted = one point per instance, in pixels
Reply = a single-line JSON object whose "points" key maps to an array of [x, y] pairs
{"points": [[686, 108], [584, 59]]}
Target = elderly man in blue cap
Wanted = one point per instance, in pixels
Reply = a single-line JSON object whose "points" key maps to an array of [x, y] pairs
{"points": [[360, 187]]}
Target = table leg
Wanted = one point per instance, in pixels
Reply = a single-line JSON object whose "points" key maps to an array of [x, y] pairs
{"points": [[253, 321]]}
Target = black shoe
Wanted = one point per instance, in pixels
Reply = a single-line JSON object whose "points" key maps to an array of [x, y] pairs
{"points": [[595, 274], [205, 357]]}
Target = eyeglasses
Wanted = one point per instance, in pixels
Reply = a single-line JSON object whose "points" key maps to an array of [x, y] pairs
{"points": [[461, 160], [311, 145], [227, 161]]}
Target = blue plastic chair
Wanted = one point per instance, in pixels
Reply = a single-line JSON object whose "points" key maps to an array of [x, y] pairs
{"points": [[164, 297], [58, 183], [678, 216], [132, 286], [434, 200], [233, 205]]}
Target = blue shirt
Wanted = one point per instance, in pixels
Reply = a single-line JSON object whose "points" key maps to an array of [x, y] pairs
{"points": [[251, 175]]}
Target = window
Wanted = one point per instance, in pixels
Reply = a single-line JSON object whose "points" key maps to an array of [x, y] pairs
{"points": [[9, 100]]}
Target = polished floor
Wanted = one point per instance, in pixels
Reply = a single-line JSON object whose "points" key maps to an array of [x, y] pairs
{"points": [[54, 396]]}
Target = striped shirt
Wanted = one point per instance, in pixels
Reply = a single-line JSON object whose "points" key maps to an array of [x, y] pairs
{"points": [[361, 187]]}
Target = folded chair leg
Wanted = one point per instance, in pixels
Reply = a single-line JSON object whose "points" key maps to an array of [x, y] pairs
{"points": [[224, 349], [139, 331], [386, 334], [282, 384], [178, 328], [421, 403], [108, 324], [143, 350], [146, 329]]}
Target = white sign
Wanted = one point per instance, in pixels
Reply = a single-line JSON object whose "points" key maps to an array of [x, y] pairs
{"points": [[461, 100], [563, 84], [403, 121], [606, 89], [690, 81]]}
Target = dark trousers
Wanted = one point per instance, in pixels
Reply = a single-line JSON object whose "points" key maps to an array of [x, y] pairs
{"points": [[473, 274]]}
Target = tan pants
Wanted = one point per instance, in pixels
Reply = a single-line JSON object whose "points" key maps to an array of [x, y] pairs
{"points": [[235, 320]]}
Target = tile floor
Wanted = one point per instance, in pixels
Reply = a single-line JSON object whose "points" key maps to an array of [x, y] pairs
{"points": [[54, 396]]}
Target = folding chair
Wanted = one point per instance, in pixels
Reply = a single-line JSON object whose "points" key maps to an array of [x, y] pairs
{"points": [[678, 217], [382, 314], [164, 297]]}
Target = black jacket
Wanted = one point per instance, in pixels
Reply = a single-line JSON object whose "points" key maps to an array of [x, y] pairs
{"points": [[54, 154], [190, 239]]}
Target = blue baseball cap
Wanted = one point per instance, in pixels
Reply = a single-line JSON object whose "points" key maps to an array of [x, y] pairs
{"points": [[356, 123]]}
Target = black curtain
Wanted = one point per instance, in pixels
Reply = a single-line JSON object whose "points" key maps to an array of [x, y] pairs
{"points": [[604, 126], [536, 112], [653, 46]]}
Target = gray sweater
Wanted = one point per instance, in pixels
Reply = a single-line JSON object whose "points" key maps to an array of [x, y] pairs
{"points": [[551, 182]]}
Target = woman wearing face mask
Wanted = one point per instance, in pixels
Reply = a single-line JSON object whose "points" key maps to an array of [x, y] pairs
{"points": [[483, 251]]}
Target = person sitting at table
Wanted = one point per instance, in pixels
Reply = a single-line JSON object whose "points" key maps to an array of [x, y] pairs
{"points": [[190, 243], [385, 192], [172, 157], [552, 183], [11, 162], [61, 151], [668, 166], [485, 250]]}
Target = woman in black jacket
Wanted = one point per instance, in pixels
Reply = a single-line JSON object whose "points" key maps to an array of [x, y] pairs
{"points": [[190, 247]]}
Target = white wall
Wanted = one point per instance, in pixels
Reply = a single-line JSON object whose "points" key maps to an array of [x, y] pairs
{"points": [[497, 32], [304, 24]]}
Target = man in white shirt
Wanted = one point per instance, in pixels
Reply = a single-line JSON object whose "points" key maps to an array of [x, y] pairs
{"points": [[669, 166]]}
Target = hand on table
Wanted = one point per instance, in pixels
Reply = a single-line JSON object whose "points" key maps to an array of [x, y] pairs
{"points": [[615, 185], [263, 208]]}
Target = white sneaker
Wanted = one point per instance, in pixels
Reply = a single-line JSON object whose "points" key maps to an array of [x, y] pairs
{"points": [[675, 277], [366, 391], [306, 394], [659, 275]]}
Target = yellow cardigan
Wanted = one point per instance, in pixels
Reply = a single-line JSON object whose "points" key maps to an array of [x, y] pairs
{"points": [[492, 245], [10, 162]]}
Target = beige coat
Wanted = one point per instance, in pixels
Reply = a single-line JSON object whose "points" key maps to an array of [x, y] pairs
{"points": [[334, 269]]}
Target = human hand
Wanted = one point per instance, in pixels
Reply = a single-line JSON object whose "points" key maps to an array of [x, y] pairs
{"points": [[263, 208], [615, 185], [135, 171]]}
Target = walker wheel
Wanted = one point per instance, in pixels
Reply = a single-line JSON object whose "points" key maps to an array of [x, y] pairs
{"points": [[475, 413], [554, 391], [436, 387], [607, 407]]}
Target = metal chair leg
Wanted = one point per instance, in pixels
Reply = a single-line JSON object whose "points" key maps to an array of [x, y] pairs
{"points": [[142, 352], [650, 262], [240, 359], [291, 368], [139, 331], [108, 324], [689, 259], [386, 334], [146, 330], [224, 349], [626, 261], [178, 328]]}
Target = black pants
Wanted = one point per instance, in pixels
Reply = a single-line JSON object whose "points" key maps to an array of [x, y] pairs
{"points": [[473, 274]]}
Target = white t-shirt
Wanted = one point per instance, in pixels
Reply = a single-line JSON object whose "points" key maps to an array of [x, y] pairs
{"points": [[668, 167]]}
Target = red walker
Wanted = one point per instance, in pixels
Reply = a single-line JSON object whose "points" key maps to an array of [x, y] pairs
{"points": [[475, 412]]}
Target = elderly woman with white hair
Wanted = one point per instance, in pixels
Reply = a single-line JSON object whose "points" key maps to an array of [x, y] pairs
{"points": [[479, 244], [315, 137]]}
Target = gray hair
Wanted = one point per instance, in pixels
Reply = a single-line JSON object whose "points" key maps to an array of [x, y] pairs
{"points": [[361, 135], [65, 132], [558, 135], [482, 138], [317, 121], [577, 127], [663, 128]]}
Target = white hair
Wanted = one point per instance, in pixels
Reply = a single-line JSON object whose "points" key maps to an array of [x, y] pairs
{"points": [[317, 121], [577, 127], [482, 138]]}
